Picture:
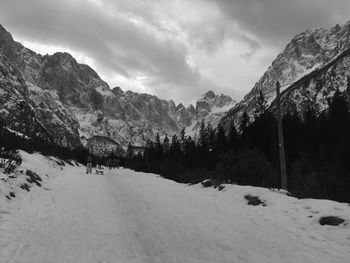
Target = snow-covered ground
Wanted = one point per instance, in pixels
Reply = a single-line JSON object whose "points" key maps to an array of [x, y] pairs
{"points": [[125, 216]]}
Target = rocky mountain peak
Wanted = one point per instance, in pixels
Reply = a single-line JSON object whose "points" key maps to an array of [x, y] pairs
{"points": [[307, 52], [209, 100], [180, 107], [172, 105], [4, 34], [190, 108], [63, 56], [117, 91], [208, 95]]}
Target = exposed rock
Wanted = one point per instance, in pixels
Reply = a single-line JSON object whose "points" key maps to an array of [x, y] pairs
{"points": [[331, 221], [254, 200], [221, 187]]}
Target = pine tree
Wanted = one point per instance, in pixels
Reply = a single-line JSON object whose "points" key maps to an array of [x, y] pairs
{"points": [[182, 139], [158, 148], [244, 122], [261, 105], [220, 140], [210, 137], [202, 136], [190, 151], [338, 108], [166, 145], [129, 151], [233, 138], [175, 148]]}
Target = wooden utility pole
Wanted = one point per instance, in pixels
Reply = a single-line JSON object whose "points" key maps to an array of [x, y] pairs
{"points": [[284, 183]]}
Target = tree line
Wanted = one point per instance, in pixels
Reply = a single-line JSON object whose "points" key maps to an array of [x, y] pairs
{"points": [[317, 152]]}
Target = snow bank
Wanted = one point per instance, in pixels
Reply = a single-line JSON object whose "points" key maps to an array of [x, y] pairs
{"points": [[33, 172], [126, 216]]}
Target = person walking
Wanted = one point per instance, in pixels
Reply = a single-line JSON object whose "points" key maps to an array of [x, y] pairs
{"points": [[89, 165], [109, 164]]}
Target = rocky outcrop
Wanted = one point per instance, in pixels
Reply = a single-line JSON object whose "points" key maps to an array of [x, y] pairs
{"points": [[36, 117]]}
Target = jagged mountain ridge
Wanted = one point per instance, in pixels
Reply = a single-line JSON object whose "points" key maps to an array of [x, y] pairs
{"points": [[141, 116], [210, 108], [314, 90], [79, 100], [307, 53]]}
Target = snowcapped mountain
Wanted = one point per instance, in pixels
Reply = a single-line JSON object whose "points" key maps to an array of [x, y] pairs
{"points": [[75, 104], [138, 117], [315, 89], [210, 108], [305, 55]]}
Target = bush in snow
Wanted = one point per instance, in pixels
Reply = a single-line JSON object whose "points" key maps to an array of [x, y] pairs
{"points": [[195, 175], [9, 160], [305, 181], [248, 167], [207, 183], [33, 177], [171, 170], [331, 221], [254, 200]]}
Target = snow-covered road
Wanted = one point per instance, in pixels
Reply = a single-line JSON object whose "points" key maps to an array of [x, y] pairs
{"points": [[124, 216]]}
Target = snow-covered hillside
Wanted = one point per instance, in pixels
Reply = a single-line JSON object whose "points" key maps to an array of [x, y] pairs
{"points": [[125, 216], [210, 108], [308, 52], [314, 90]]}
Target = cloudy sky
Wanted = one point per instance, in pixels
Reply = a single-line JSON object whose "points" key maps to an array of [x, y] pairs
{"points": [[175, 49]]}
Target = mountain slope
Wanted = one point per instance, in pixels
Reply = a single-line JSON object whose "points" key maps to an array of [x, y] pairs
{"points": [[314, 90], [306, 53], [84, 105], [37, 117]]}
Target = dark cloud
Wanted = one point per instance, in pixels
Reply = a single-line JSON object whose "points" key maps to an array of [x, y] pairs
{"points": [[275, 22], [114, 42], [151, 41]]}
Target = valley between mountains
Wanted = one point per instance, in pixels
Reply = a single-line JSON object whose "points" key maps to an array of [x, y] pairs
{"points": [[94, 173], [69, 102]]}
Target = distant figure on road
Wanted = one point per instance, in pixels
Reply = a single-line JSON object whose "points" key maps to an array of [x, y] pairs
{"points": [[99, 169], [109, 164], [89, 165], [99, 163]]}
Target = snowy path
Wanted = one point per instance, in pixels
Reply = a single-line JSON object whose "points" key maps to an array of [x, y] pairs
{"points": [[125, 216]]}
